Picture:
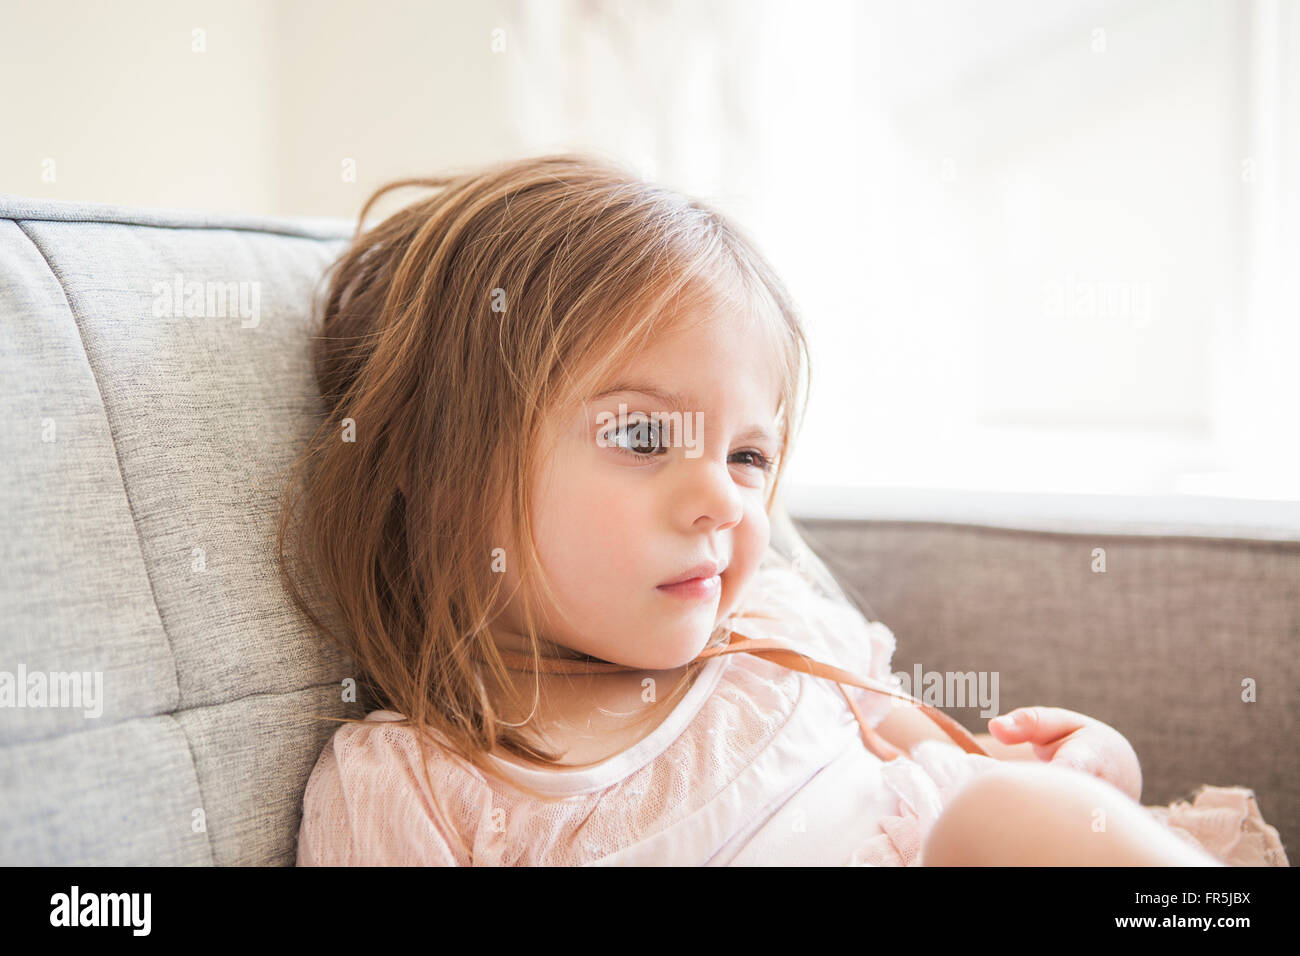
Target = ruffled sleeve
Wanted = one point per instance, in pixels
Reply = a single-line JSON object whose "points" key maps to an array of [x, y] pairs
{"points": [[1226, 823], [365, 806]]}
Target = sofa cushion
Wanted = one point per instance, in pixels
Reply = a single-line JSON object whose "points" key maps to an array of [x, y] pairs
{"points": [[146, 436]]}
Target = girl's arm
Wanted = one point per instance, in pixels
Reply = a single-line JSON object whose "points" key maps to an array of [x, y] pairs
{"points": [[905, 726], [1045, 735]]}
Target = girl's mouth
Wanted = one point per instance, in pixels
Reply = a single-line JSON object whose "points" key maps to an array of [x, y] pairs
{"points": [[696, 589]]}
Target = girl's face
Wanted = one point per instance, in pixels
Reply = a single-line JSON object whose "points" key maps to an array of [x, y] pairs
{"points": [[612, 527]]}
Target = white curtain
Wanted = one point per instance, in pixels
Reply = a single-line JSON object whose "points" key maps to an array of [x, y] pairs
{"points": [[1040, 247]]}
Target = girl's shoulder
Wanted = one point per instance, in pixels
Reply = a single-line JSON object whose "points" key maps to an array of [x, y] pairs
{"points": [[366, 797], [381, 754], [383, 740]]}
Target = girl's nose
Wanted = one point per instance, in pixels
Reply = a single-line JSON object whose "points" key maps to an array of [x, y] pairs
{"points": [[709, 495]]}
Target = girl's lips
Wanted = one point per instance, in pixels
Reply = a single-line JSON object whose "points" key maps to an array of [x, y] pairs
{"points": [[696, 589]]}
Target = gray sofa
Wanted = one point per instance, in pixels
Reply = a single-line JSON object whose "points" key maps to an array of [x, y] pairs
{"points": [[144, 440]]}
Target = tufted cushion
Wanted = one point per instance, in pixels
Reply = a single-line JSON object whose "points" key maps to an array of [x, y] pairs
{"points": [[141, 464]]}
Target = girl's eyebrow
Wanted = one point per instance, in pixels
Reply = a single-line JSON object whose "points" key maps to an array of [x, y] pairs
{"points": [[679, 403]]}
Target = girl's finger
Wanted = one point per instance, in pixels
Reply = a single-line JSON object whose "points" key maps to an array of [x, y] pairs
{"points": [[1041, 725]]}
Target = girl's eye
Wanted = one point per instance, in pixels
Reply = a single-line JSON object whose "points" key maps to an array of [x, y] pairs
{"points": [[759, 460], [638, 435], [645, 435]]}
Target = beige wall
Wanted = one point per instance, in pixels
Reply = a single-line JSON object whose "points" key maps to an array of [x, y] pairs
{"points": [[402, 88], [114, 97], [127, 111]]}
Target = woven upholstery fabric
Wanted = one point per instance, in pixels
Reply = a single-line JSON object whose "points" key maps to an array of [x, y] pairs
{"points": [[141, 463], [1158, 645]]}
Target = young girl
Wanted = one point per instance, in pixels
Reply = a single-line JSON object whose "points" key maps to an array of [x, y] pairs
{"points": [[560, 401]]}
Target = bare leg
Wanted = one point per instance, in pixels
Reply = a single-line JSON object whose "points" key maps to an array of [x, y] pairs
{"points": [[1036, 815]]}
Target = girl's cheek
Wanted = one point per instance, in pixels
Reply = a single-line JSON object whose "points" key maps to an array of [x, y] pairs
{"points": [[751, 539], [760, 525]]}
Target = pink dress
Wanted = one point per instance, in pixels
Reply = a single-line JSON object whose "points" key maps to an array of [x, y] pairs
{"points": [[756, 765]]}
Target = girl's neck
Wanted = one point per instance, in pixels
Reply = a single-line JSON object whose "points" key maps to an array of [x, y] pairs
{"points": [[588, 717], [509, 641]]}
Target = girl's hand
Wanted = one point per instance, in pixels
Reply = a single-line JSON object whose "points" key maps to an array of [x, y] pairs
{"points": [[1069, 739]]}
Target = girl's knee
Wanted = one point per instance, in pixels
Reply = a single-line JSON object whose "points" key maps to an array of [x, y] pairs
{"points": [[1013, 815], [1034, 814], [963, 833]]}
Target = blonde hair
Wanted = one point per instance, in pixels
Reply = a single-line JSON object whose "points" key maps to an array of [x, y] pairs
{"points": [[471, 313]]}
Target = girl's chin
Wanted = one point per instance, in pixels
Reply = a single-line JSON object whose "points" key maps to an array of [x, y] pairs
{"points": [[673, 652]]}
